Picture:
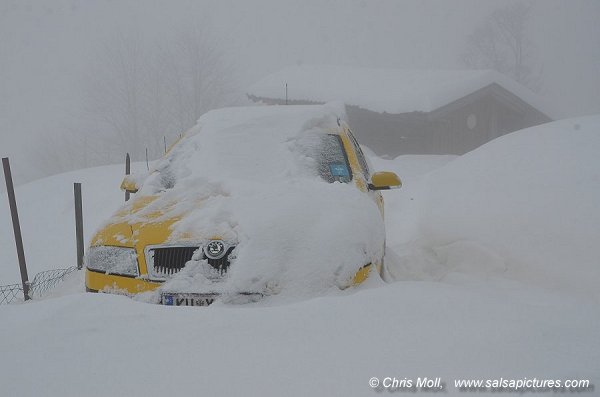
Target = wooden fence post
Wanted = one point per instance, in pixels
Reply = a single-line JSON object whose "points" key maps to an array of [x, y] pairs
{"points": [[12, 201], [127, 172], [78, 224]]}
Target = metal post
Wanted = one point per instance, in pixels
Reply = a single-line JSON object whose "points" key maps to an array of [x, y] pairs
{"points": [[12, 201], [78, 224], [127, 172], [286, 96]]}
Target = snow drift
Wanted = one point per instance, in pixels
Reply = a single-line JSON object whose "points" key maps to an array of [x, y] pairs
{"points": [[524, 206]]}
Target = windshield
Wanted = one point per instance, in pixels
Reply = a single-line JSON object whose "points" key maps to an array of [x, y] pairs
{"points": [[329, 157], [266, 156]]}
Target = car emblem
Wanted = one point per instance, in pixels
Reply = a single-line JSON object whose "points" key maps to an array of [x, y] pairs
{"points": [[215, 249]]}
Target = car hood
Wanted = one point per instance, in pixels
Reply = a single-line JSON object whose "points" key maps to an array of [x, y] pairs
{"points": [[136, 225]]}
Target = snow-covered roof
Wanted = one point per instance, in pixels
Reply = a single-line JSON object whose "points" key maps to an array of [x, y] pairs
{"points": [[386, 90]]}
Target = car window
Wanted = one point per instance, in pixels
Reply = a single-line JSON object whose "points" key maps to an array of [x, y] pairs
{"points": [[330, 159], [360, 155]]}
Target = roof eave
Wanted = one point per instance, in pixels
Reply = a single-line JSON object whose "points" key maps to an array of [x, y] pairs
{"points": [[495, 90]]}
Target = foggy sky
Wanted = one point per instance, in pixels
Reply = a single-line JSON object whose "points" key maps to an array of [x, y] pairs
{"points": [[46, 47]]}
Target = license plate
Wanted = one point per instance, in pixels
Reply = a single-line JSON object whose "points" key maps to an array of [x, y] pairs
{"points": [[178, 299]]}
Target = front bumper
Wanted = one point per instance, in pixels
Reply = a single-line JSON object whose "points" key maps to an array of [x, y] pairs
{"points": [[99, 281]]}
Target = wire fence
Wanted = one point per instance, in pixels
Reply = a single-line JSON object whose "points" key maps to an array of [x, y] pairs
{"points": [[10, 293], [41, 284]]}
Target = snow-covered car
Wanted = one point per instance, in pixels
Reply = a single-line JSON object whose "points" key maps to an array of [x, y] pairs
{"points": [[252, 201]]}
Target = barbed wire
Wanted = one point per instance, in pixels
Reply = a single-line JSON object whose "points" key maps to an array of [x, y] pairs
{"points": [[42, 283]]}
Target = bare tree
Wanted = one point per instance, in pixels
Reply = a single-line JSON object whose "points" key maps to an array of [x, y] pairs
{"points": [[502, 43], [137, 92], [115, 91], [192, 89]]}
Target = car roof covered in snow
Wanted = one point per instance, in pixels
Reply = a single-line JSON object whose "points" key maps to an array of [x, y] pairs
{"points": [[277, 120], [387, 90], [256, 143]]}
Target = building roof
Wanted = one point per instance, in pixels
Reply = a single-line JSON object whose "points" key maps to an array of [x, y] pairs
{"points": [[387, 90]]}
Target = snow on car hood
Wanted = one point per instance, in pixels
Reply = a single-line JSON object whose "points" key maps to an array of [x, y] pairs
{"points": [[239, 176]]}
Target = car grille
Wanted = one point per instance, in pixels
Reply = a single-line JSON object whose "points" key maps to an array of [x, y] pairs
{"points": [[170, 260], [220, 264], [166, 261]]}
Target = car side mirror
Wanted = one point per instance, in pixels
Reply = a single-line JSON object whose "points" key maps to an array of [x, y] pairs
{"points": [[384, 180], [129, 184]]}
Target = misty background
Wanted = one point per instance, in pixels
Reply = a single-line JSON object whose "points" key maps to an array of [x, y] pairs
{"points": [[83, 82]]}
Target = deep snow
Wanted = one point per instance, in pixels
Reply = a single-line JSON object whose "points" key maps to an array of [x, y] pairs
{"points": [[494, 256], [102, 345], [524, 206]]}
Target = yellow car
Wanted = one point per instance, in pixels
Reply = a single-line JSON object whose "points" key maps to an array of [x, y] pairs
{"points": [[251, 202]]}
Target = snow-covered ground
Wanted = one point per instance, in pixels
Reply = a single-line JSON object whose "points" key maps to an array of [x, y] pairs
{"points": [[493, 264]]}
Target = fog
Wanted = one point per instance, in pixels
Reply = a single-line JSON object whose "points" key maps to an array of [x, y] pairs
{"points": [[55, 55]]}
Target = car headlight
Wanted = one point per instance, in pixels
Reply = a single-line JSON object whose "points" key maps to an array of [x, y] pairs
{"points": [[113, 260]]}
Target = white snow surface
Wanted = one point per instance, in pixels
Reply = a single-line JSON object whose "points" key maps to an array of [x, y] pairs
{"points": [[492, 261], [387, 90], [524, 206], [542, 218]]}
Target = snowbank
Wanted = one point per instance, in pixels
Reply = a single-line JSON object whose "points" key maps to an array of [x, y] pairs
{"points": [[524, 206], [103, 345]]}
